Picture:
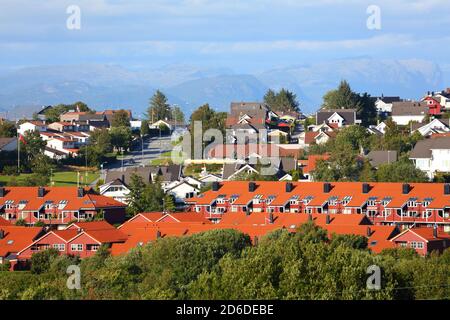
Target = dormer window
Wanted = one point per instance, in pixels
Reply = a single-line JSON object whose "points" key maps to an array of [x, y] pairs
{"points": [[333, 201], [412, 202], [346, 200], [372, 202]]}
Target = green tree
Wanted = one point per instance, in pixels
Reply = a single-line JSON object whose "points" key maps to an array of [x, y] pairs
{"points": [[7, 129], [120, 118], [284, 100], [135, 197], [169, 203], [40, 261], [403, 170], [145, 130], [344, 98], [159, 109], [178, 115], [121, 137]]}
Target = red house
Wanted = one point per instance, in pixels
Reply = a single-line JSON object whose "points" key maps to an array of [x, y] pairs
{"points": [[82, 239], [13, 239], [434, 106], [423, 240], [57, 205]]}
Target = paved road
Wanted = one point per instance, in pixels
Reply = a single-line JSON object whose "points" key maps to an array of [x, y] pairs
{"points": [[153, 147]]}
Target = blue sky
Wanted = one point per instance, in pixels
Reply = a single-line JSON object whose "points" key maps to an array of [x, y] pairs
{"points": [[241, 35]]}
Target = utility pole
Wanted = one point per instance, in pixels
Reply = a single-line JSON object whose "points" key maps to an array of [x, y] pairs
{"points": [[18, 152]]}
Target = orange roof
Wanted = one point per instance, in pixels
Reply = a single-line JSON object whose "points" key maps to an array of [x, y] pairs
{"points": [[17, 238], [380, 190], [4, 222], [101, 231], [428, 234], [312, 162], [29, 196]]}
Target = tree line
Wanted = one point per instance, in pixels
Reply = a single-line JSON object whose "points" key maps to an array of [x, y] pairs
{"points": [[223, 264]]}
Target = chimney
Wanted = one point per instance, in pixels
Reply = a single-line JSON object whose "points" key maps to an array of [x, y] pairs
{"points": [[446, 189], [289, 186], [435, 231], [158, 234], [215, 186], [2, 234], [405, 188], [80, 192], [326, 187], [327, 219], [41, 192], [2, 192], [369, 232], [270, 217], [251, 186], [310, 217], [365, 188], [123, 178]]}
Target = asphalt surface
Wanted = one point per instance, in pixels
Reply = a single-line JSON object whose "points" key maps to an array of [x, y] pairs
{"points": [[153, 148]]}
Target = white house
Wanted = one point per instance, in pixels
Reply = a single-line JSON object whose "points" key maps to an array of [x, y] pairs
{"points": [[32, 126], [408, 111], [182, 190], [115, 189], [65, 145], [434, 126], [432, 155], [135, 124], [384, 104]]}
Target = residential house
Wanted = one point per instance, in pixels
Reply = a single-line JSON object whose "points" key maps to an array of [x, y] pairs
{"points": [[13, 239], [409, 111], [435, 126], [432, 155], [62, 126], [384, 104], [8, 144], [182, 190], [32, 126], [433, 104], [57, 205], [309, 165], [337, 118], [423, 240], [247, 122], [379, 129], [82, 239], [402, 204], [380, 157], [165, 174]]}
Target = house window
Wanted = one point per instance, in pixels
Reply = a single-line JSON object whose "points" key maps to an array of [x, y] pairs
{"points": [[59, 246], [371, 203], [403, 244], [76, 247], [94, 247]]}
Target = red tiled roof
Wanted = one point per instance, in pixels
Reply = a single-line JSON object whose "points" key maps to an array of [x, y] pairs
{"points": [[4, 222], [57, 194], [17, 238], [312, 162]]}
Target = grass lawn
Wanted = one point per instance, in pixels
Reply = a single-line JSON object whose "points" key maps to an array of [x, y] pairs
{"points": [[164, 158], [60, 178]]}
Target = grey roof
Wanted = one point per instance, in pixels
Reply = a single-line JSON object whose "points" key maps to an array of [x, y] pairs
{"points": [[248, 106], [409, 108], [389, 99], [230, 168], [287, 164], [166, 173], [55, 151], [6, 141], [423, 148], [379, 157], [349, 115]]}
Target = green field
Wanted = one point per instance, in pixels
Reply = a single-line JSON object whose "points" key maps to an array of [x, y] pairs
{"points": [[60, 178]]}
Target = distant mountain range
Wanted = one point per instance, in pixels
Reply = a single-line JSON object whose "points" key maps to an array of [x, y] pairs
{"points": [[25, 90]]}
